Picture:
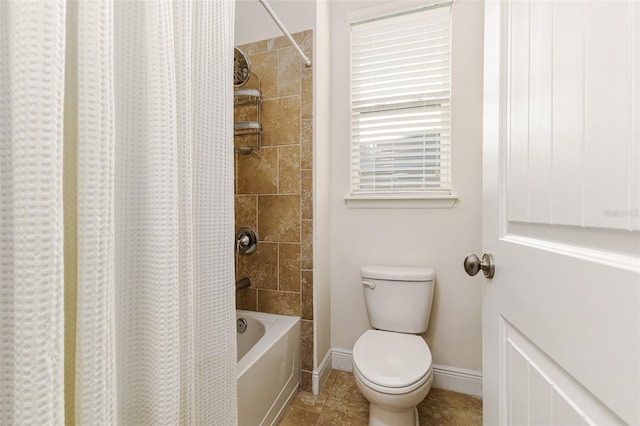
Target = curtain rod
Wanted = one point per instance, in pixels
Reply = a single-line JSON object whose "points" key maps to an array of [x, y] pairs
{"points": [[275, 18]]}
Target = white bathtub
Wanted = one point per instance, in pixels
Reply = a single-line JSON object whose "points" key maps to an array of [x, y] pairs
{"points": [[268, 368]]}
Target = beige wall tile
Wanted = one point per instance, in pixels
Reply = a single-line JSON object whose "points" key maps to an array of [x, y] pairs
{"points": [[279, 218], [306, 194], [258, 175], [246, 211], [281, 121], [246, 141], [278, 302], [288, 72], [306, 345], [306, 44], [289, 169], [306, 142], [278, 42], [261, 267], [247, 299], [306, 93], [306, 287], [245, 112], [306, 247], [276, 192], [305, 381], [253, 48], [235, 174], [289, 267], [282, 41], [265, 66]]}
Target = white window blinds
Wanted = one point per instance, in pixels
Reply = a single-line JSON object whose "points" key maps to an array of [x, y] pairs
{"points": [[400, 103]]}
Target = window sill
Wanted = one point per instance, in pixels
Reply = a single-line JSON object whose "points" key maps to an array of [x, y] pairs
{"points": [[401, 202]]}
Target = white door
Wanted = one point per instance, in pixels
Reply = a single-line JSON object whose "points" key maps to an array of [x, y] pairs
{"points": [[561, 322]]}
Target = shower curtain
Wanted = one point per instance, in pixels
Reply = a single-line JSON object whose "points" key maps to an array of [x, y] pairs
{"points": [[116, 177]]}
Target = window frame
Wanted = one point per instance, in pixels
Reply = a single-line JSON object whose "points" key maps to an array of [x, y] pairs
{"points": [[439, 198]]}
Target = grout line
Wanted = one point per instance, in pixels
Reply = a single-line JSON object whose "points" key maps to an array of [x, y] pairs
{"points": [[278, 170], [282, 291], [300, 213], [299, 95], [268, 193], [278, 266]]}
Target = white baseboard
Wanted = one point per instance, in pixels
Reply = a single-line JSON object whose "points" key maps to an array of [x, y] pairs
{"points": [[444, 377], [457, 380], [341, 359], [321, 374]]}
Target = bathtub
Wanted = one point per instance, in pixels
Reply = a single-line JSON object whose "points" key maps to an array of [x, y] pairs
{"points": [[268, 368]]}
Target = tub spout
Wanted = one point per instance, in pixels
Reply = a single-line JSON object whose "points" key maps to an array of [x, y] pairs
{"points": [[243, 283]]}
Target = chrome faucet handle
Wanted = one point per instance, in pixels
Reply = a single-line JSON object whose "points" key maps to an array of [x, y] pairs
{"points": [[246, 240]]}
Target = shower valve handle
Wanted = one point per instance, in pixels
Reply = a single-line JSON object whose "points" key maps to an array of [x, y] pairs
{"points": [[246, 240]]}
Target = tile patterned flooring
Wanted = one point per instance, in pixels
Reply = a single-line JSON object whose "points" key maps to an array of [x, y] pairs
{"points": [[341, 403]]}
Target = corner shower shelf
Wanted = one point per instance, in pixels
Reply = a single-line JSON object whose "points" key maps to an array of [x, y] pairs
{"points": [[246, 96], [243, 129]]}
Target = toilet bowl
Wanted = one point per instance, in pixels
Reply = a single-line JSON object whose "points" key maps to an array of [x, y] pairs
{"points": [[393, 372], [392, 364]]}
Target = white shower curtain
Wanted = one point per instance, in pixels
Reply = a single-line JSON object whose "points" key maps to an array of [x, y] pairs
{"points": [[148, 115], [32, 51]]}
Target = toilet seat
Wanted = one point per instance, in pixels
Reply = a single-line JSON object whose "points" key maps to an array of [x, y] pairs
{"points": [[390, 390], [392, 363]]}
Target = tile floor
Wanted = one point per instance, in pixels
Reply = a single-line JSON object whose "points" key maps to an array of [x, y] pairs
{"points": [[340, 403]]}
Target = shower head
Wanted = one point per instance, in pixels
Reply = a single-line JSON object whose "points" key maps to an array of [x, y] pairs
{"points": [[241, 68]]}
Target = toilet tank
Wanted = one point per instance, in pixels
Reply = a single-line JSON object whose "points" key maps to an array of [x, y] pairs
{"points": [[398, 298]]}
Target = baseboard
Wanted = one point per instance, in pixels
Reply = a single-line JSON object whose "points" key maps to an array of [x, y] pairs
{"points": [[457, 380], [444, 377], [342, 359], [321, 374]]}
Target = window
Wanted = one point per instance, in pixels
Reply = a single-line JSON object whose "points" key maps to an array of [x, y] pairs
{"points": [[400, 103]]}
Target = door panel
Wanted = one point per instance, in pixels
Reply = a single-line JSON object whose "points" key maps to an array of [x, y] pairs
{"points": [[541, 392], [561, 212], [571, 116]]}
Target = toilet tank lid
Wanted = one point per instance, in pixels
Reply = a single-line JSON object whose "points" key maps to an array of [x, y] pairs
{"points": [[397, 273]]}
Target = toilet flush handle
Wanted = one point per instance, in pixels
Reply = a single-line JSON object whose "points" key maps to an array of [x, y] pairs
{"points": [[369, 284]]}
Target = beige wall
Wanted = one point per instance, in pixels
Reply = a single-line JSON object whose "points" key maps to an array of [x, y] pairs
{"points": [[273, 188], [428, 237]]}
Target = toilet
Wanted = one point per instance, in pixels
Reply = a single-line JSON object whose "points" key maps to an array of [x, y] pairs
{"points": [[392, 362]]}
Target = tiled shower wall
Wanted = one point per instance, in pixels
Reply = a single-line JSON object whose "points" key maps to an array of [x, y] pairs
{"points": [[273, 193]]}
